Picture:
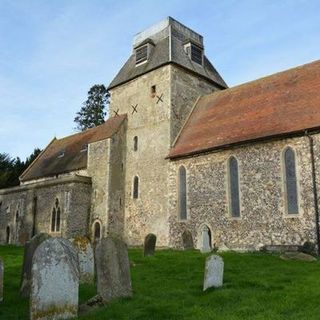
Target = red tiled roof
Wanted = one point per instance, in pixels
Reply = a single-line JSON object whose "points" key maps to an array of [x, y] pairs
{"points": [[283, 103], [49, 163]]}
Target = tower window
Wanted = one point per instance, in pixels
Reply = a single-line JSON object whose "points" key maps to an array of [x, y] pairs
{"points": [[142, 54], [135, 187], [153, 91], [135, 143]]}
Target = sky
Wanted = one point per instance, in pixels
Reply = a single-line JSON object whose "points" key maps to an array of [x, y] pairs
{"points": [[52, 52]]}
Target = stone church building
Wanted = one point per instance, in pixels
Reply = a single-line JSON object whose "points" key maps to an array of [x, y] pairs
{"points": [[182, 154]]}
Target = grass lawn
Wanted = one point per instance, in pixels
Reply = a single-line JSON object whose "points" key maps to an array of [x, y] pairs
{"points": [[169, 286]]}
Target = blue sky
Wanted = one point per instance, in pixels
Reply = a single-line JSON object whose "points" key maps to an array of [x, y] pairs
{"points": [[52, 52]]}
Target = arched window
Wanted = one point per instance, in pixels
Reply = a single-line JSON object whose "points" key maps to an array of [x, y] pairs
{"points": [[234, 198], [290, 179], [182, 193], [55, 217], [135, 143], [8, 234], [135, 187], [96, 230]]}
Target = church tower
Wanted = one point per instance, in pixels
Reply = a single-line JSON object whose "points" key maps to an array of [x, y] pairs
{"points": [[157, 88]]}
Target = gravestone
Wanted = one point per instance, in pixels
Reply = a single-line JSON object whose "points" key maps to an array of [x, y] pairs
{"points": [[29, 249], [149, 244], [113, 269], [1, 279], [213, 274], [55, 281], [187, 240], [205, 245], [86, 259]]}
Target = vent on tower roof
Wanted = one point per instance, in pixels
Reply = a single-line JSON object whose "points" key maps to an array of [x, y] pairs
{"points": [[142, 54], [195, 52]]}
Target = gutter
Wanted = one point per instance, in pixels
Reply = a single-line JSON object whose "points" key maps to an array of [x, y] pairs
{"points": [[315, 189]]}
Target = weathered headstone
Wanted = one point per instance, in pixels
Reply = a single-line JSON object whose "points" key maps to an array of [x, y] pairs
{"points": [[29, 249], [86, 259], [55, 281], [149, 244], [205, 245], [187, 240], [213, 274], [1, 280], [113, 269]]}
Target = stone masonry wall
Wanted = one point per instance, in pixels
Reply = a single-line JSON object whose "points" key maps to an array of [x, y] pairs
{"points": [[185, 90], [73, 194], [98, 169], [147, 213], [155, 127], [263, 215]]}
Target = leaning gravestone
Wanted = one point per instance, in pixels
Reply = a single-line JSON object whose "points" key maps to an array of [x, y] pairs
{"points": [[113, 269], [149, 244], [29, 249], [1, 280], [86, 259], [187, 240], [55, 281], [205, 247], [213, 275]]}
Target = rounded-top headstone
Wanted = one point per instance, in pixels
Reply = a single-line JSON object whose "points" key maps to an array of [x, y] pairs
{"points": [[149, 244], [113, 269], [86, 259], [29, 249], [55, 281], [213, 275]]}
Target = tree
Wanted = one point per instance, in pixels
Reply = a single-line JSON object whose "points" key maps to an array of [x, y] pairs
{"points": [[94, 109], [11, 169]]}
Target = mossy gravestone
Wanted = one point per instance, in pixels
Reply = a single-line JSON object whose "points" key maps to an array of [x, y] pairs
{"points": [[1, 280], [86, 259], [213, 274], [113, 269], [29, 249], [55, 281], [187, 240], [149, 244]]}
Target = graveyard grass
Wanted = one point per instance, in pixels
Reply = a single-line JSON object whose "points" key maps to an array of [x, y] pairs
{"points": [[169, 286]]}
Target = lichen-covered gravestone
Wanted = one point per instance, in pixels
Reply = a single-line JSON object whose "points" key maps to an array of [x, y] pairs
{"points": [[205, 246], [86, 259], [55, 281], [1, 280], [149, 244], [29, 249], [213, 275], [113, 269], [187, 240]]}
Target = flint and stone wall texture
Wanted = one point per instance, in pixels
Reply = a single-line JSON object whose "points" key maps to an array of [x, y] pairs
{"points": [[24, 215], [263, 219], [155, 123]]}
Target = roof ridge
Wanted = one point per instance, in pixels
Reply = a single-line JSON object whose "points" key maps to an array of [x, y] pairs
{"points": [[261, 79], [93, 128]]}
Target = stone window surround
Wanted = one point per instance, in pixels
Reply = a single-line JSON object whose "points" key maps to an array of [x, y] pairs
{"points": [[283, 183], [228, 188], [54, 206], [178, 193]]}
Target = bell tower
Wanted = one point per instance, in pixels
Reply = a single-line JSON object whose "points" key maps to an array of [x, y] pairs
{"points": [[157, 88]]}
